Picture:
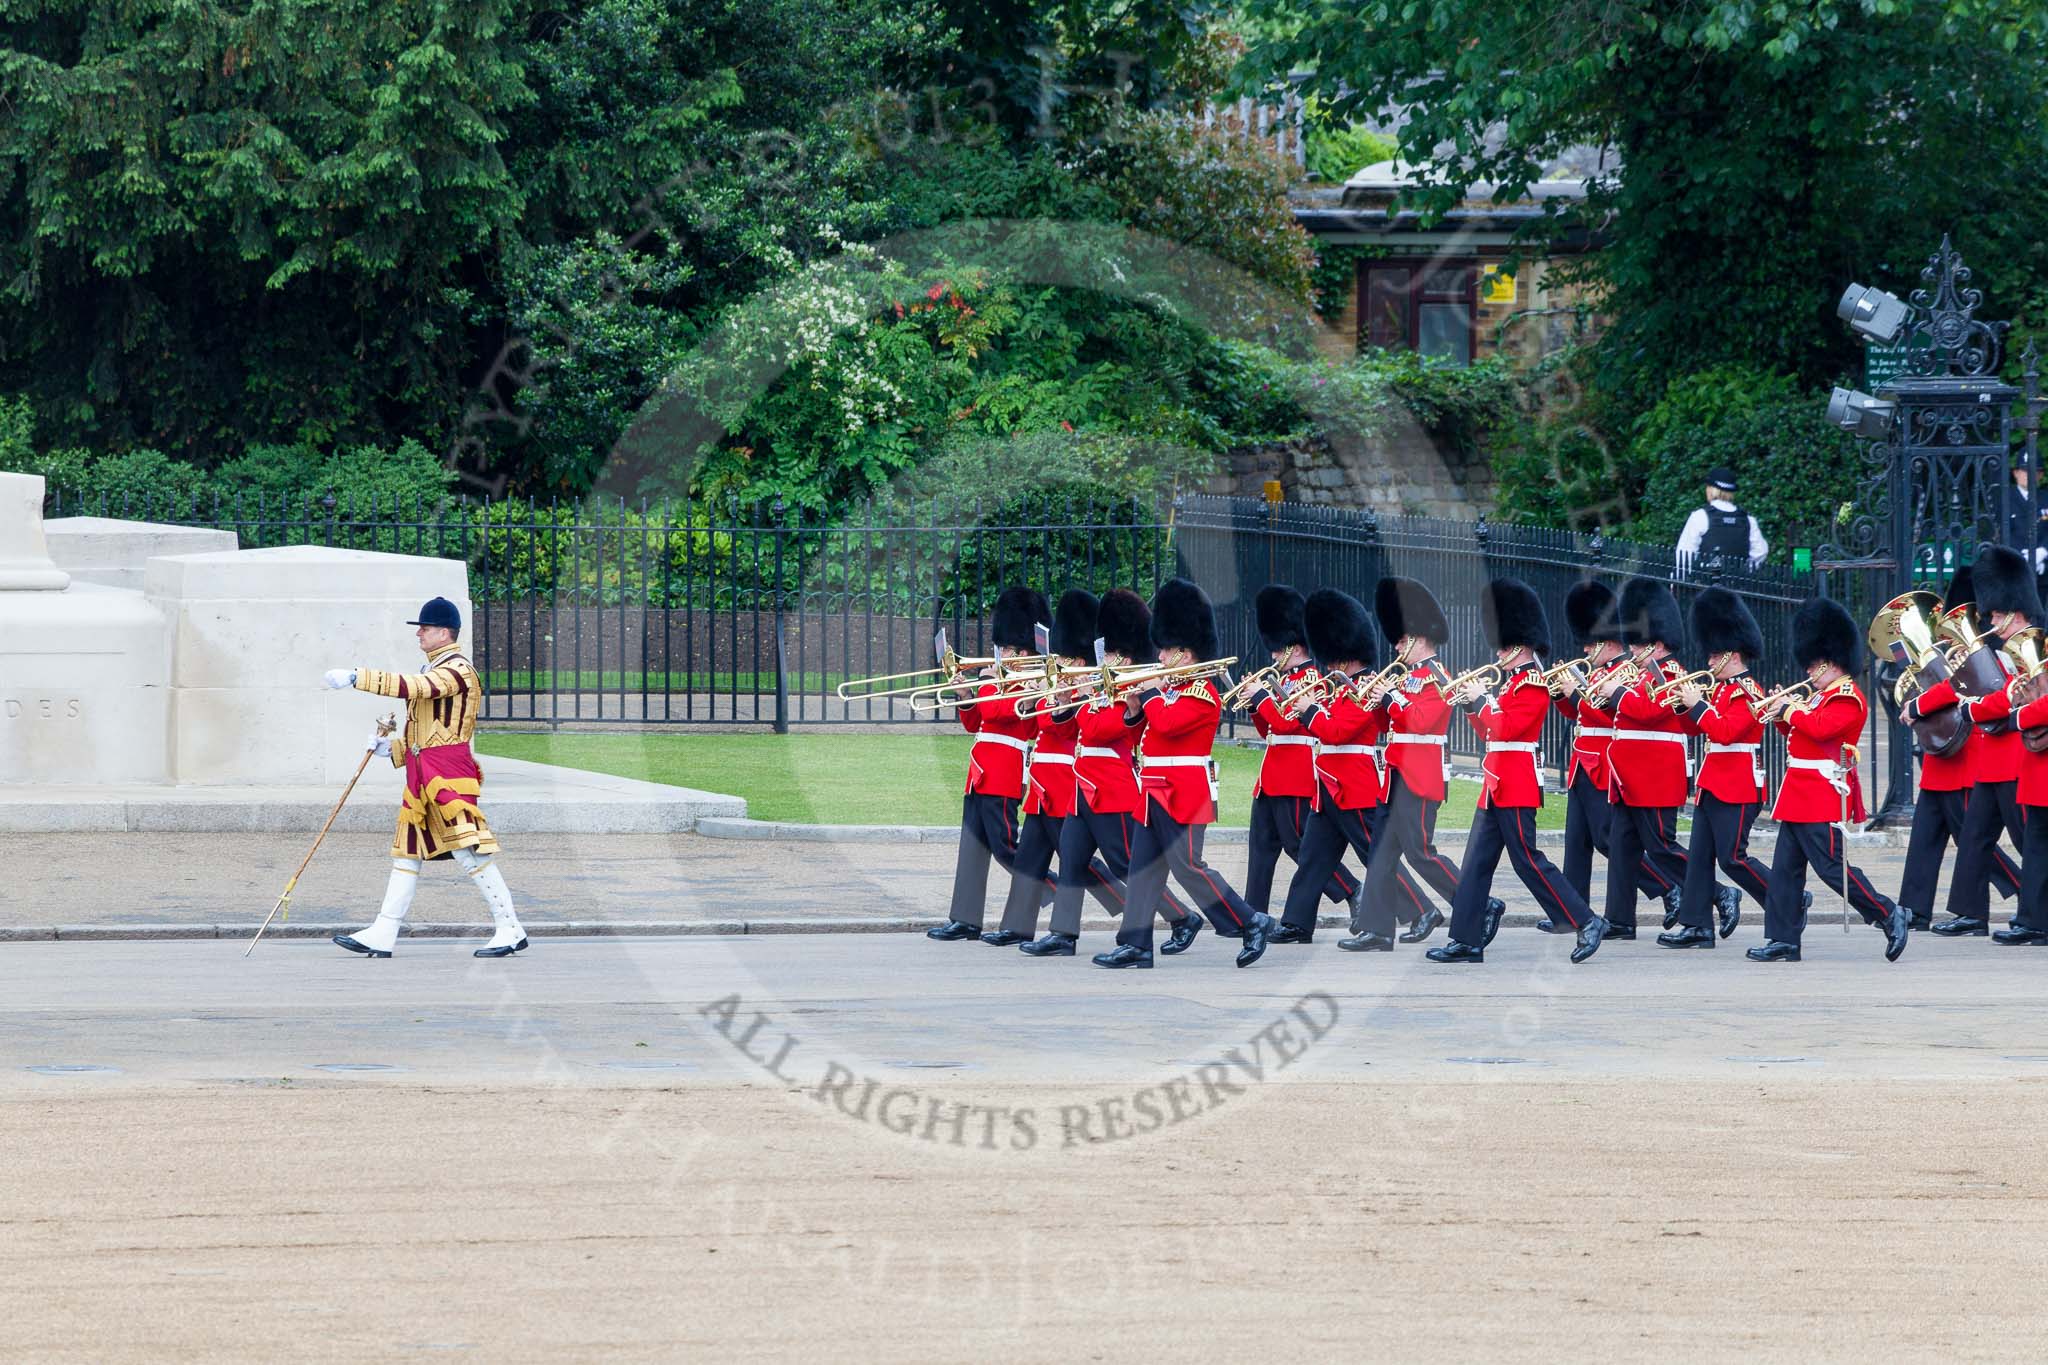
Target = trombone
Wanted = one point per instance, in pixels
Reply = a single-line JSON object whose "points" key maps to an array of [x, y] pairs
{"points": [[949, 667], [1038, 670], [1112, 679]]}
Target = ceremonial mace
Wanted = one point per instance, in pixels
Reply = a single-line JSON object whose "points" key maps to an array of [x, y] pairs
{"points": [[384, 727]]}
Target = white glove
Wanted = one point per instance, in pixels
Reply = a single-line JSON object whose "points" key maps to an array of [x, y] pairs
{"points": [[338, 678], [2040, 558], [380, 745]]}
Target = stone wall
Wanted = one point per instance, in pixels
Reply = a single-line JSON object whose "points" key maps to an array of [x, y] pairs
{"points": [[1402, 472]]}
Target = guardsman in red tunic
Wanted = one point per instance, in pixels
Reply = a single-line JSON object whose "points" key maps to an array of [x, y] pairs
{"points": [[1348, 761], [1821, 794], [1049, 790], [1108, 805], [2029, 927], [1178, 777], [1589, 608], [2002, 582], [1285, 792], [1731, 780], [1418, 770], [1647, 761], [995, 768], [440, 817], [1511, 789]]}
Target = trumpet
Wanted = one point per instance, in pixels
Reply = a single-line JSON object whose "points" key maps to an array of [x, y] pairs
{"points": [[1663, 692], [1568, 674], [949, 668], [1486, 677], [1269, 677], [1791, 694]]}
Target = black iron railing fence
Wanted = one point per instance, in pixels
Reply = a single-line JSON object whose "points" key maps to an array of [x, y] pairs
{"points": [[615, 613]]}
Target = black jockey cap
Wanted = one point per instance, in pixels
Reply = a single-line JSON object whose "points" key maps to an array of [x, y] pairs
{"points": [[439, 611]]}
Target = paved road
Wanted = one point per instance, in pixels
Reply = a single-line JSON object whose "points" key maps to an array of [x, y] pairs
{"points": [[233, 879], [620, 1011]]}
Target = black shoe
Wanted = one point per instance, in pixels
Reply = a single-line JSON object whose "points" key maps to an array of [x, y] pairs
{"points": [[1898, 930], [1495, 908], [1425, 924], [344, 941], [1183, 934], [1551, 926], [1590, 935], [1455, 951], [1922, 923], [1124, 955], [1255, 937], [504, 950], [1004, 938], [1624, 932], [1687, 937], [1290, 933], [1052, 945], [1366, 942], [1774, 951], [953, 930], [1728, 909], [1963, 928], [1670, 908], [2009, 937]]}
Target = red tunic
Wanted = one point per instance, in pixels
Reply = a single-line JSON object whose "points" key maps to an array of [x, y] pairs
{"points": [[1819, 735], [2033, 779], [1418, 719], [1051, 791], [995, 765], [1289, 766], [1180, 732], [1349, 763], [1104, 770], [1985, 757], [1592, 732], [1647, 762], [1733, 766], [1512, 727]]}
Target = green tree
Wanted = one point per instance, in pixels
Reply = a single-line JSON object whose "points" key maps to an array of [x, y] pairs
{"points": [[1767, 153]]}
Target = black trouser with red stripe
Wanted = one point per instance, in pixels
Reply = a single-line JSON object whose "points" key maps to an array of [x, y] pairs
{"points": [[2033, 907], [1282, 822], [1407, 831], [1588, 816], [1720, 837], [1031, 886], [1082, 835], [1640, 837], [988, 829], [1510, 830], [1320, 858], [1803, 844], [1162, 845], [1993, 808]]}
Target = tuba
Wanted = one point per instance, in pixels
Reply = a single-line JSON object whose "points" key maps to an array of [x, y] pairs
{"points": [[2029, 653], [1908, 631]]}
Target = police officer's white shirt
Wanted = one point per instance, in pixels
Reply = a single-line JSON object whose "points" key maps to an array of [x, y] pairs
{"points": [[1696, 530]]}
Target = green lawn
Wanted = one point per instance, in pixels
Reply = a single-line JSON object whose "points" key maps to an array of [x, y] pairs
{"points": [[845, 779]]}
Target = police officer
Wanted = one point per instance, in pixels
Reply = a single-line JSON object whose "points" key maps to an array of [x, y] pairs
{"points": [[1720, 535]]}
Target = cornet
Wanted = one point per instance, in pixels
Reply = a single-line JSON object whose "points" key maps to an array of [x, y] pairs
{"points": [[1569, 675], [1485, 678], [1269, 677], [1790, 695]]}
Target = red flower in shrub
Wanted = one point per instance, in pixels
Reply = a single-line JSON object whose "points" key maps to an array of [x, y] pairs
{"points": [[1066, 424]]}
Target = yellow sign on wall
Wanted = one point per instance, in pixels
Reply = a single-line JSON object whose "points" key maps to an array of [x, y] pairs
{"points": [[1495, 287]]}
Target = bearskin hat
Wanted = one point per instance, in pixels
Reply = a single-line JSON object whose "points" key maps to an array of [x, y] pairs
{"points": [[2005, 582], [1073, 625], [1823, 629], [1649, 614], [1280, 623], [1721, 623], [1589, 611], [1125, 624], [1338, 628], [1017, 611], [1962, 592], [1183, 618], [1405, 607], [1513, 617]]}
